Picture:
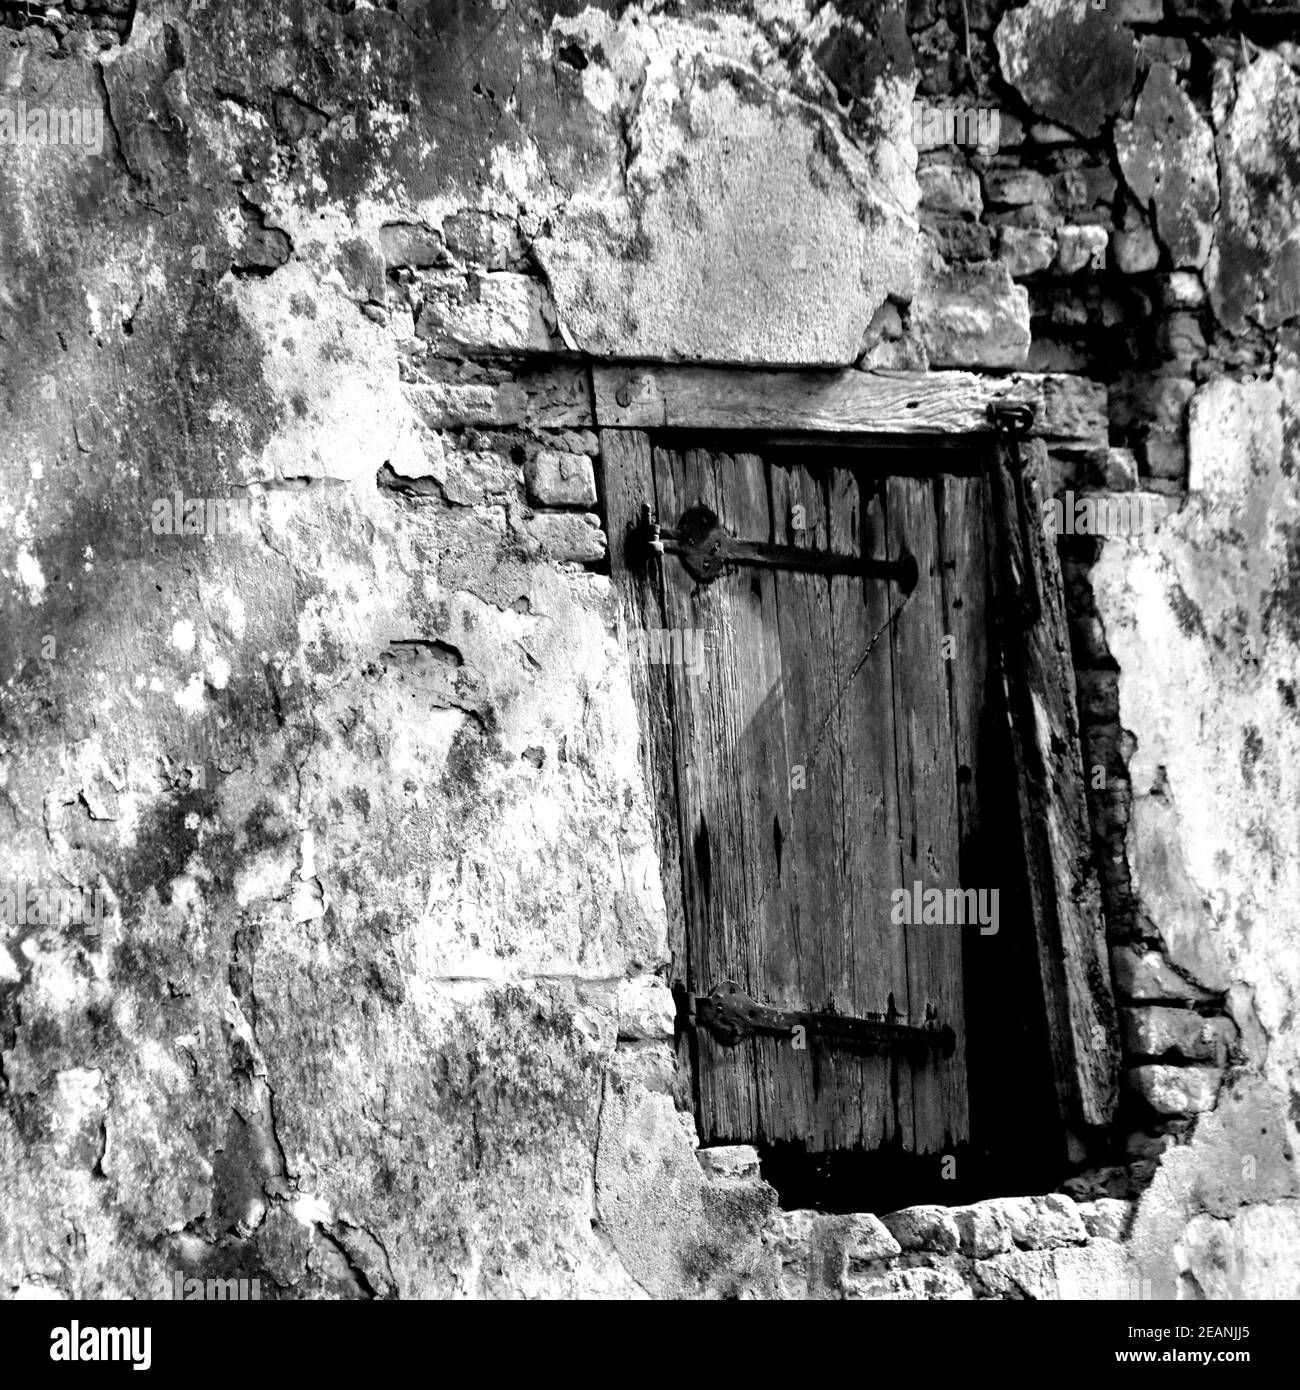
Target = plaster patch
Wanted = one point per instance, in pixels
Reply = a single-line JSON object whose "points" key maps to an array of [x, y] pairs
{"points": [[190, 696], [29, 571]]}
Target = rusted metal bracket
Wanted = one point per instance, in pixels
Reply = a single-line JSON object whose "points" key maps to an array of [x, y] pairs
{"points": [[706, 549], [1011, 421], [731, 1016], [1012, 417]]}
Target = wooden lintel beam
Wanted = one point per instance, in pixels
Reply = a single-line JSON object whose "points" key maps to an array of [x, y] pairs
{"points": [[658, 396]]}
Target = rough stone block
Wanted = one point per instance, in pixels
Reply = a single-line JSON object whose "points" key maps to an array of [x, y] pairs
{"points": [[1181, 340], [1147, 976], [1041, 217], [828, 1260], [481, 238], [1177, 1090], [1040, 1223], [1049, 133], [1070, 61], [412, 244], [567, 536], [1160, 1032], [1234, 430], [576, 442], [1074, 408], [1107, 1217], [645, 1008], [648, 1186], [950, 188], [546, 398], [959, 239], [1249, 1255], [1120, 471], [1164, 448], [1016, 1274], [924, 1228], [498, 311], [1081, 248], [867, 1237], [1164, 458], [738, 1162], [983, 1229], [1135, 249], [789, 1237], [886, 326], [1254, 271], [1164, 48], [894, 355], [1013, 188], [1166, 153], [1184, 290], [1071, 311], [1146, 1146], [972, 316], [1011, 131], [1138, 11], [667, 250], [910, 1285], [1025, 250], [1098, 1271], [560, 480], [360, 266], [1085, 189]]}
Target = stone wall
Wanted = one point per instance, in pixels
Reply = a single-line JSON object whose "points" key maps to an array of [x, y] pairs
{"points": [[377, 1006]]}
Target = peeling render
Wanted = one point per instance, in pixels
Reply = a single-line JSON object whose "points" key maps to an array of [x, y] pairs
{"points": [[379, 1003]]}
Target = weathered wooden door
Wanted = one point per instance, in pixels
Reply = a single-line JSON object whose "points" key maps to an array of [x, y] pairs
{"points": [[823, 739]]}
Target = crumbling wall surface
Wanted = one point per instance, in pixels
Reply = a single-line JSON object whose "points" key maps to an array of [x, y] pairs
{"points": [[306, 684], [728, 214], [1214, 822], [1143, 191], [376, 1002], [352, 765]]}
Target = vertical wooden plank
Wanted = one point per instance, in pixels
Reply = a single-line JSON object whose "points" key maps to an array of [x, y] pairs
{"points": [[783, 917], [808, 967], [865, 760], [964, 574], [928, 818], [761, 774], [1038, 683], [628, 481], [731, 773], [704, 736], [987, 960]]}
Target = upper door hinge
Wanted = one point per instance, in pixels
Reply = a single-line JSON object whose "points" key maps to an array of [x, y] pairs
{"points": [[706, 549]]}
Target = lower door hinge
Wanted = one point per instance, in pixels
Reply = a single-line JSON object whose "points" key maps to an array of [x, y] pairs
{"points": [[732, 1016]]}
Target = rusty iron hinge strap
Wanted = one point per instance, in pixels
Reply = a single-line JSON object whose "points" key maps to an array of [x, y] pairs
{"points": [[706, 548], [731, 1016]]}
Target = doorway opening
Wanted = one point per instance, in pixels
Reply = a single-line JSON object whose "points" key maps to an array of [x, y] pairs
{"points": [[830, 713]]}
